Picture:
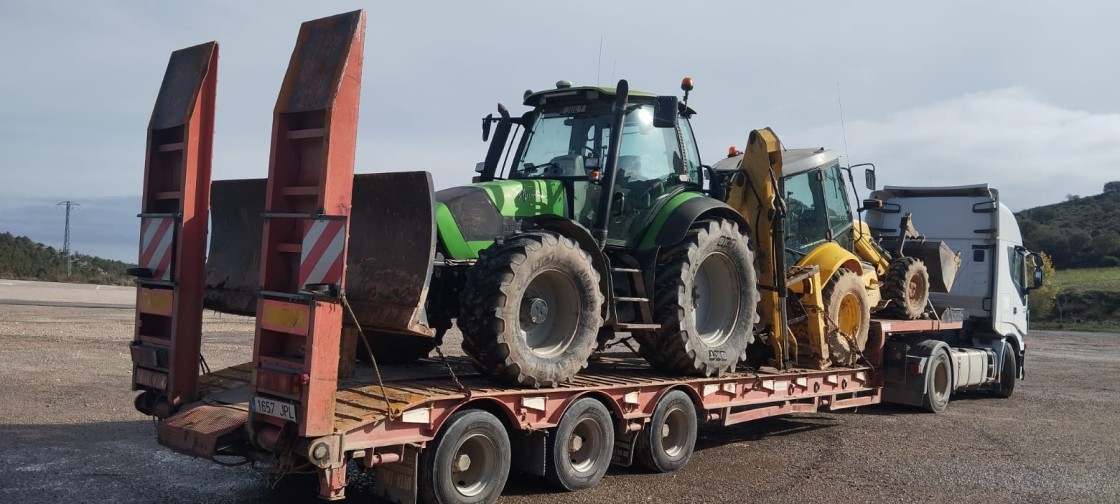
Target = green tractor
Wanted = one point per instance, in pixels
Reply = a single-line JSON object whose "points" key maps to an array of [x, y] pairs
{"points": [[587, 219]]}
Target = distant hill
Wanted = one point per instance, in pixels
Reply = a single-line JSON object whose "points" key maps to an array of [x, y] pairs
{"points": [[23, 259], [1081, 232]]}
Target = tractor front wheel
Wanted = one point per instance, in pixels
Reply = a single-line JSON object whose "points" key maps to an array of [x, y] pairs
{"points": [[531, 310], [846, 306]]}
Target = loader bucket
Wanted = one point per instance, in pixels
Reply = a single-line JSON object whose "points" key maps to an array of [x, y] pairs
{"points": [[389, 252], [941, 262]]}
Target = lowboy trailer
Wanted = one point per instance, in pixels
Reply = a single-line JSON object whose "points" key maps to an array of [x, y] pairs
{"points": [[436, 430]]}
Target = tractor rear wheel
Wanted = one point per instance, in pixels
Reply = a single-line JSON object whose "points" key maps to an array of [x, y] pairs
{"points": [[906, 288], [705, 300], [847, 306], [531, 310]]}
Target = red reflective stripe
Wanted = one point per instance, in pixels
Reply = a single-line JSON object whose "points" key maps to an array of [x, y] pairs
{"points": [[331, 231], [153, 244]]}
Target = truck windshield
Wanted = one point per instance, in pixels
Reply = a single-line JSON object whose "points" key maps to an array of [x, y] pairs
{"points": [[570, 140]]}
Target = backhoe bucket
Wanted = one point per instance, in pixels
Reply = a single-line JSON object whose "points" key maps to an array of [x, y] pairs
{"points": [[941, 262], [389, 256]]}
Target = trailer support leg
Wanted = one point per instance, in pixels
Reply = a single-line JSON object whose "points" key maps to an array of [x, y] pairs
{"points": [[332, 483]]}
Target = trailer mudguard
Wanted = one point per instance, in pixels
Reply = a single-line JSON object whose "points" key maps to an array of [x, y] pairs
{"points": [[905, 362]]}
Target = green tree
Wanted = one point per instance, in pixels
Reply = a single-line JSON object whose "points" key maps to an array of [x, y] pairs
{"points": [[1043, 299]]}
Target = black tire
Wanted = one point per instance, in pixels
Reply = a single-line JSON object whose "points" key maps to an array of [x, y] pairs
{"points": [[467, 462], [1008, 373], [939, 383], [666, 442], [705, 300], [846, 305], [389, 348], [580, 448], [906, 288], [531, 310]]}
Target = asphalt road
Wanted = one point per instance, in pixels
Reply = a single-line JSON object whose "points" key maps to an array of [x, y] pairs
{"points": [[69, 433]]}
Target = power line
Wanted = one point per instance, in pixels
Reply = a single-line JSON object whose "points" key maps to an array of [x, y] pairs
{"points": [[66, 240]]}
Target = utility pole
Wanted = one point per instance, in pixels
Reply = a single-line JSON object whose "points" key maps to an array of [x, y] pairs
{"points": [[66, 240]]}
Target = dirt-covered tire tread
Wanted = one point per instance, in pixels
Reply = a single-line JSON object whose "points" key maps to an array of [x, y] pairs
{"points": [[488, 325], [841, 281], [895, 287], [672, 348]]}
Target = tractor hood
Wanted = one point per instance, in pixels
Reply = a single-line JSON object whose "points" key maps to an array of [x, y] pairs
{"points": [[470, 218]]}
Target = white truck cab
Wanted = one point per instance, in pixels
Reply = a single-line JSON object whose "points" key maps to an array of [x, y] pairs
{"points": [[993, 280]]}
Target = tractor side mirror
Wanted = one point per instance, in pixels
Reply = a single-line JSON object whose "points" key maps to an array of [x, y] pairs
{"points": [[665, 112], [869, 178], [480, 167]]}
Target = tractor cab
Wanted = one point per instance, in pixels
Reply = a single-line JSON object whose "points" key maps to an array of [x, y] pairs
{"points": [[566, 138]]}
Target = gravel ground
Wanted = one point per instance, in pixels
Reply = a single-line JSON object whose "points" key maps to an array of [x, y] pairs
{"points": [[69, 432]]}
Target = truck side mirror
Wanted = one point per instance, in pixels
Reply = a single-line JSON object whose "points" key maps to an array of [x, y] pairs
{"points": [[665, 112], [869, 178], [1037, 279]]}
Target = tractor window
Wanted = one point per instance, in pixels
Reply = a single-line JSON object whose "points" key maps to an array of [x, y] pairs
{"points": [[692, 154], [560, 143], [836, 203], [806, 225]]}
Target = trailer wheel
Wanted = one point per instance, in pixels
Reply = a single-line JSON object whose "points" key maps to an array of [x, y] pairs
{"points": [[581, 447], [906, 288], [667, 440], [467, 462], [705, 300], [1008, 373], [846, 304], [531, 310], [939, 383]]}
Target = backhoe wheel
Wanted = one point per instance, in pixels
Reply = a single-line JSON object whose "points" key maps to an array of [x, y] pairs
{"points": [[468, 461], [667, 440], [939, 383], [1008, 374], [531, 310], [846, 305], [906, 288], [581, 447], [705, 300]]}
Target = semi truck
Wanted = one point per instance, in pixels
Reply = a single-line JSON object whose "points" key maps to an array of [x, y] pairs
{"points": [[450, 429]]}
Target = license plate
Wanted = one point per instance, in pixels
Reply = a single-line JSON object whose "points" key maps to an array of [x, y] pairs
{"points": [[271, 407]]}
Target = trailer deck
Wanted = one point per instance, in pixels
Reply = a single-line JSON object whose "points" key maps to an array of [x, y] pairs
{"points": [[410, 403]]}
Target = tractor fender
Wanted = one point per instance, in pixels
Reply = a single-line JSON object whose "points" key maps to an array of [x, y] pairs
{"points": [[831, 257], [682, 216], [582, 236]]}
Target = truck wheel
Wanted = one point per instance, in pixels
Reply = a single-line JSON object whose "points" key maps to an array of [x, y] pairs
{"points": [[939, 383], [531, 310], [846, 304], [468, 461], [667, 440], [906, 288], [705, 300], [1008, 373], [581, 447]]}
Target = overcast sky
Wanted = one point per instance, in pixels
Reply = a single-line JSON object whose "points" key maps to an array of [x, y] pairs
{"points": [[1022, 95]]}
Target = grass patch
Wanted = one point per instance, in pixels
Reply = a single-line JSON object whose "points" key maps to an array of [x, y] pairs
{"points": [[1103, 327], [1097, 279]]}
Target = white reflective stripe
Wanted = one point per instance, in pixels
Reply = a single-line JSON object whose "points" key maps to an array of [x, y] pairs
{"points": [[162, 250], [330, 255], [312, 236], [150, 226]]}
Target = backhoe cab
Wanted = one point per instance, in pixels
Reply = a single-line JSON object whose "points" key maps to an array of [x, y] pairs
{"points": [[835, 272]]}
